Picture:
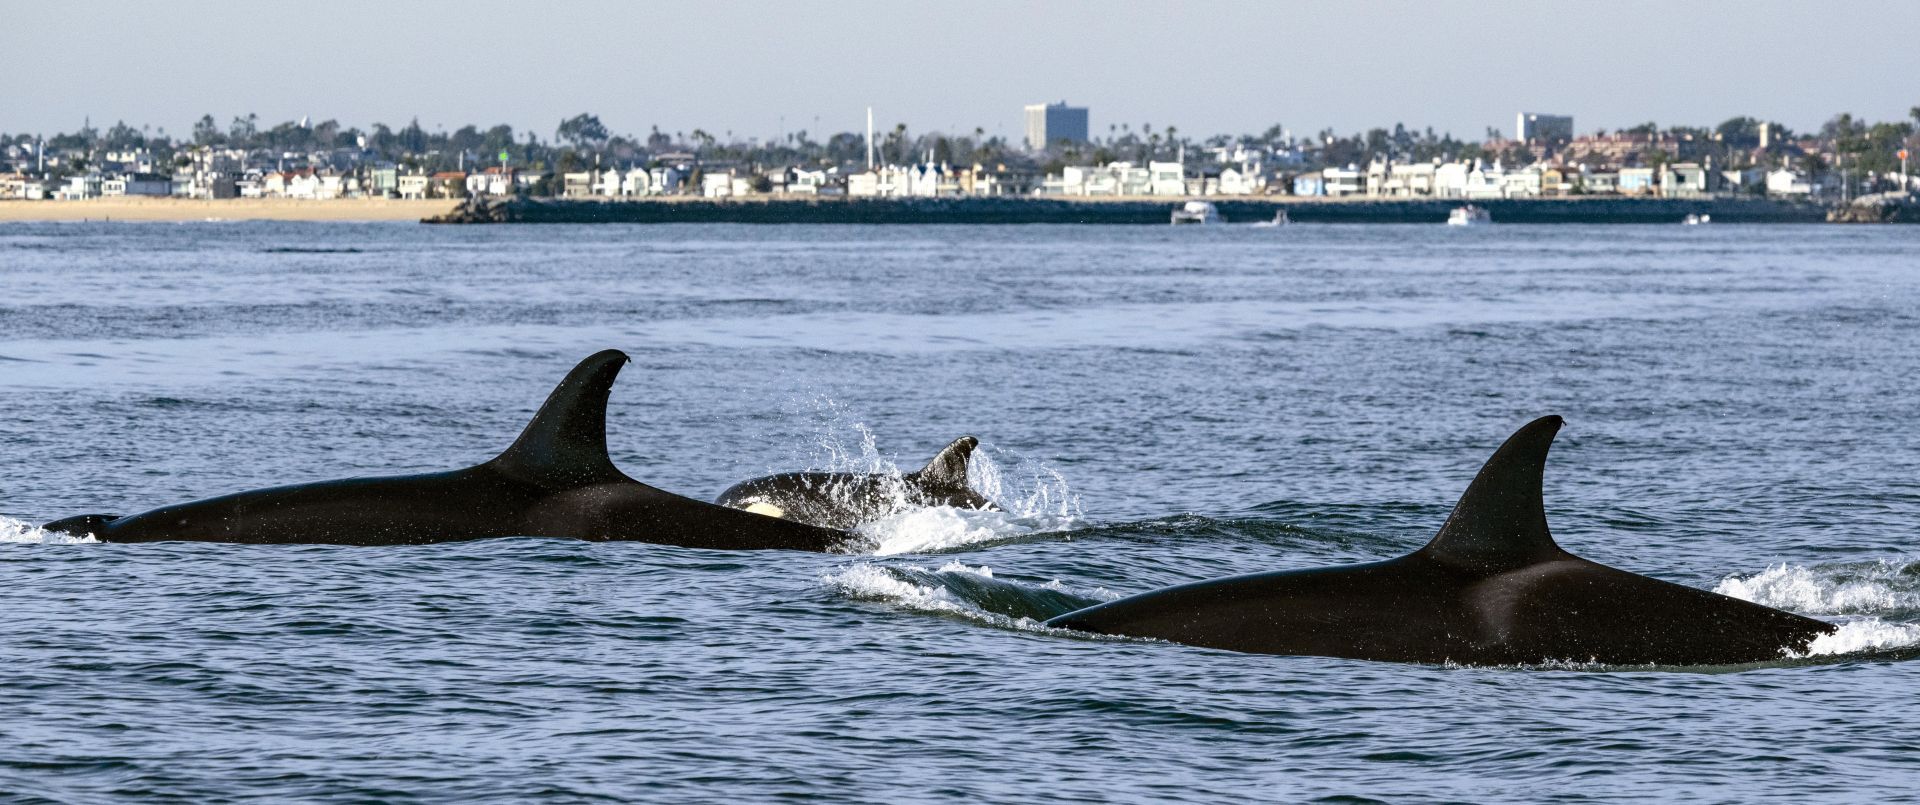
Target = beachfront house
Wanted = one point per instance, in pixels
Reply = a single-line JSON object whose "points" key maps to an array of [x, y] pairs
{"points": [[412, 185], [1743, 180], [84, 186], [1788, 182], [803, 182], [1687, 180], [1401, 180], [303, 183], [637, 182], [1522, 183], [137, 184], [1598, 182], [1636, 182], [448, 184], [383, 181], [1311, 183], [1168, 178], [1450, 179], [1347, 181], [1485, 182], [607, 184], [13, 185], [576, 184], [1241, 181]]}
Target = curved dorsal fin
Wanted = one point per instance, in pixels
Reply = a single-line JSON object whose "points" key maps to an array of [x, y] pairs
{"points": [[566, 443], [1501, 522], [948, 469]]}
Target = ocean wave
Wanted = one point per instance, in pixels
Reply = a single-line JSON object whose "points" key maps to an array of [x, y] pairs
{"points": [[20, 531]]}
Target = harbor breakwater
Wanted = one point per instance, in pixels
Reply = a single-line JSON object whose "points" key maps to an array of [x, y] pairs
{"points": [[1029, 210]]}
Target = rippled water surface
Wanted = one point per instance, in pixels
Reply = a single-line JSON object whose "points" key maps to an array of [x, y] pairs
{"points": [[1156, 406]]}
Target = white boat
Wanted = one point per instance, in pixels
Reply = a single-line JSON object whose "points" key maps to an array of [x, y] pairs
{"points": [[1696, 220], [1469, 215], [1279, 219], [1197, 212]]}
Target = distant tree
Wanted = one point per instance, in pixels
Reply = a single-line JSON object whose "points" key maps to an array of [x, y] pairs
{"points": [[243, 129], [582, 131], [412, 139], [1741, 132], [123, 136], [206, 132]]}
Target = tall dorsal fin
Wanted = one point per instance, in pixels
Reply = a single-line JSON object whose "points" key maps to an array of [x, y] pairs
{"points": [[566, 443], [1501, 522], [948, 469]]}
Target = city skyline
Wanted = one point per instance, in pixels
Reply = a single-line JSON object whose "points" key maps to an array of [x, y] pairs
{"points": [[760, 71]]}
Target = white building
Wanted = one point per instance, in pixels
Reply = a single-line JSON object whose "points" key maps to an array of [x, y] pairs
{"points": [[1345, 181], [1788, 182]]}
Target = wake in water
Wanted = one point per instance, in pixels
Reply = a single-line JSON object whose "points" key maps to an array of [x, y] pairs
{"points": [[12, 530], [1870, 602], [968, 592]]}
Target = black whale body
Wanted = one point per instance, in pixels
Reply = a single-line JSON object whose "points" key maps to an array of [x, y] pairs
{"points": [[555, 481], [846, 500], [1492, 588]]}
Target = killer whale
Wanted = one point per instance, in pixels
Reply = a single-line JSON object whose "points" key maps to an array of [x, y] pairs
{"points": [[846, 500], [555, 480], [1491, 588]]}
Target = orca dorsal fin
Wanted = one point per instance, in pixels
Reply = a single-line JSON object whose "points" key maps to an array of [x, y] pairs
{"points": [[566, 443], [1501, 522], [948, 469]]}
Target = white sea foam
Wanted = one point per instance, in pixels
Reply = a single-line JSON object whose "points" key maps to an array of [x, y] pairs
{"points": [[936, 528], [870, 582], [1864, 634], [941, 590], [12, 530], [1871, 588], [1859, 596]]}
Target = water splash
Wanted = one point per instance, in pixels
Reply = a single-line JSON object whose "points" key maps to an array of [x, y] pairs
{"points": [[20, 531], [1862, 636], [1884, 588], [1031, 496], [1866, 600]]}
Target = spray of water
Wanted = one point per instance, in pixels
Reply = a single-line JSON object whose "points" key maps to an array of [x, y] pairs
{"points": [[1031, 497], [12, 530], [1862, 598]]}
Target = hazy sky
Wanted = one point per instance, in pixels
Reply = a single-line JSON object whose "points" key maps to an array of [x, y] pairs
{"points": [[757, 69]]}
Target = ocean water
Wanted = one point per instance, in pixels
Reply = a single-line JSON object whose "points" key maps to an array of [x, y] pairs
{"points": [[1156, 406]]}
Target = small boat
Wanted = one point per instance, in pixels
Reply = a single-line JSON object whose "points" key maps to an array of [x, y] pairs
{"points": [[1197, 212], [1696, 220], [1469, 215], [1279, 219]]}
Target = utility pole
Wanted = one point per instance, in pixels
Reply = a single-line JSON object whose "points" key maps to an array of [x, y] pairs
{"points": [[869, 138]]}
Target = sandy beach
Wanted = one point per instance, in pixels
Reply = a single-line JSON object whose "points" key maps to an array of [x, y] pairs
{"points": [[245, 209]]}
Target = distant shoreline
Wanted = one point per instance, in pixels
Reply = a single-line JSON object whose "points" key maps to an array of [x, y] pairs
{"points": [[967, 210], [1124, 211], [238, 209]]}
